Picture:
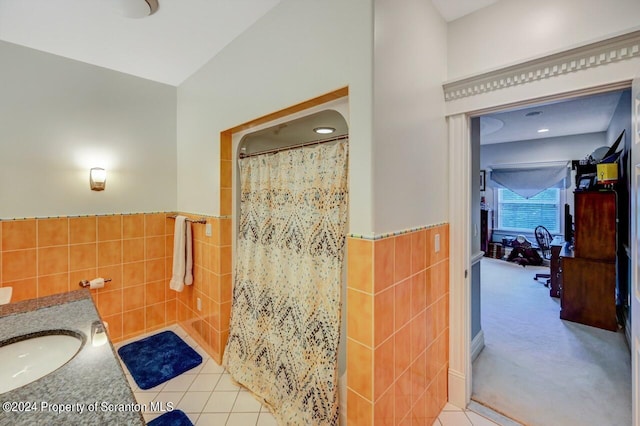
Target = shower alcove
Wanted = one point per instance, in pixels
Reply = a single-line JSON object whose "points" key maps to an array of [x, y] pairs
{"points": [[284, 133]]}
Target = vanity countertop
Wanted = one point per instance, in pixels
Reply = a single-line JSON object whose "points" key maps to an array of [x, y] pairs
{"points": [[90, 389]]}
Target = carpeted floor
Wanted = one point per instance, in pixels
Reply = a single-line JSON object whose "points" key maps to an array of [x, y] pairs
{"points": [[540, 370]]}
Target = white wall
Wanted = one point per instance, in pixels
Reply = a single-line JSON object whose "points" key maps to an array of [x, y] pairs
{"points": [[299, 50], [59, 118], [620, 121], [512, 31], [573, 147], [410, 136]]}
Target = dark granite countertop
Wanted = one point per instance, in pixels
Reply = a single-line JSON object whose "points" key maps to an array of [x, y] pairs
{"points": [[90, 389]]}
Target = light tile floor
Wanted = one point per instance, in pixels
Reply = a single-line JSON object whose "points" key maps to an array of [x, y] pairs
{"points": [[209, 397], [205, 393], [454, 416]]}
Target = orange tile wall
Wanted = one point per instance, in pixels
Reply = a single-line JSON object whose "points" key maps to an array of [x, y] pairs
{"points": [[398, 328], [397, 298], [40, 257], [212, 285]]}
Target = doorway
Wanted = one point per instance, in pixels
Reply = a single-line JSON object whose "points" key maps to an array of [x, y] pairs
{"points": [[528, 348]]}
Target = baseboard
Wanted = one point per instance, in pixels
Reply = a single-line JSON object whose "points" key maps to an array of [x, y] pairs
{"points": [[477, 344], [457, 389], [477, 257], [491, 414]]}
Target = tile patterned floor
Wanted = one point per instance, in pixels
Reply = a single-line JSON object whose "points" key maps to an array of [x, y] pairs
{"points": [[454, 416], [205, 393], [208, 396]]}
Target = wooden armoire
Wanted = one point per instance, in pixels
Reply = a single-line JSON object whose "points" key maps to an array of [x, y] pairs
{"points": [[588, 293]]}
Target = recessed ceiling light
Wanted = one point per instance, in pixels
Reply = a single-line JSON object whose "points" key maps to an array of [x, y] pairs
{"points": [[324, 130], [489, 125], [533, 113], [543, 130]]}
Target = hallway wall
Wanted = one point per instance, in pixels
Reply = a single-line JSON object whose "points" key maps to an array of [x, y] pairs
{"points": [[282, 60], [410, 152], [513, 31], [59, 118]]}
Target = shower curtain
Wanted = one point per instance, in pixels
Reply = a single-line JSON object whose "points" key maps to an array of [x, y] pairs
{"points": [[285, 312]]}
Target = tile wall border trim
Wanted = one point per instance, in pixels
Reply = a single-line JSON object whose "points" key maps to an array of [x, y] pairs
{"points": [[356, 236], [394, 234], [107, 215], [208, 216]]}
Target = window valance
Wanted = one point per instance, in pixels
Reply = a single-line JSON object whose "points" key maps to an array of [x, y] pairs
{"points": [[528, 181]]}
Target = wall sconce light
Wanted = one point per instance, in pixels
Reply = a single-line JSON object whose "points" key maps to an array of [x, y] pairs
{"points": [[97, 179]]}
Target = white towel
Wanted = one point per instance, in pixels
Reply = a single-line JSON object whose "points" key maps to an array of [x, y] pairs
{"points": [[179, 254], [188, 269]]}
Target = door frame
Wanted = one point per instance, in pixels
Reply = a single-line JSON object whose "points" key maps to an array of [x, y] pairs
{"points": [[460, 157], [634, 290]]}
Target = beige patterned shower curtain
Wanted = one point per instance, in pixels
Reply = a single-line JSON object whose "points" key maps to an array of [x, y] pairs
{"points": [[285, 313]]}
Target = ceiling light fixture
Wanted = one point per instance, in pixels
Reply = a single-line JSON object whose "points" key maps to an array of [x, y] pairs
{"points": [[533, 113], [543, 130], [137, 8], [324, 130]]}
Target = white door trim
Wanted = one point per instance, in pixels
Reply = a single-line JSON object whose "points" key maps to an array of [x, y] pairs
{"points": [[634, 290], [459, 261], [460, 374], [585, 57]]}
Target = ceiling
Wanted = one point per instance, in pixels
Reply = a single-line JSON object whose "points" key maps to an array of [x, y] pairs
{"points": [[183, 35], [589, 114], [454, 9], [166, 47], [294, 132]]}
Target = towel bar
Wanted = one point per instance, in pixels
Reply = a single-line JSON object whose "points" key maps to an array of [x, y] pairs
{"points": [[201, 220]]}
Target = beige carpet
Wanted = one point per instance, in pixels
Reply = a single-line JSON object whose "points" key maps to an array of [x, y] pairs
{"points": [[540, 370]]}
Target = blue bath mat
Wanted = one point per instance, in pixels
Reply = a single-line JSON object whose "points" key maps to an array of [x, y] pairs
{"points": [[158, 358], [171, 418]]}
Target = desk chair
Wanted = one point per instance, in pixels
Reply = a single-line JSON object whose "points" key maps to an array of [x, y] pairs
{"points": [[544, 238]]}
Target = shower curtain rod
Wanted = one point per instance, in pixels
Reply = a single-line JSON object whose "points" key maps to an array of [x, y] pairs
{"points": [[300, 145]]}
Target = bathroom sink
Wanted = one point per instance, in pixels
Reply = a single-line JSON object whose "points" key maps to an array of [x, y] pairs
{"points": [[25, 359]]}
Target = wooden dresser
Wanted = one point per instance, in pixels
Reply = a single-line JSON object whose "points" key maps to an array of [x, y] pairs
{"points": [[587, 275]]}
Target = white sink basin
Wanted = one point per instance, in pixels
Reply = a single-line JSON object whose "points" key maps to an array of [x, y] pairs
{"points": [[32, 357]]}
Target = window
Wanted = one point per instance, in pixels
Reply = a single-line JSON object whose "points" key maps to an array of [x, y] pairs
{"points": [[516, 213]]}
